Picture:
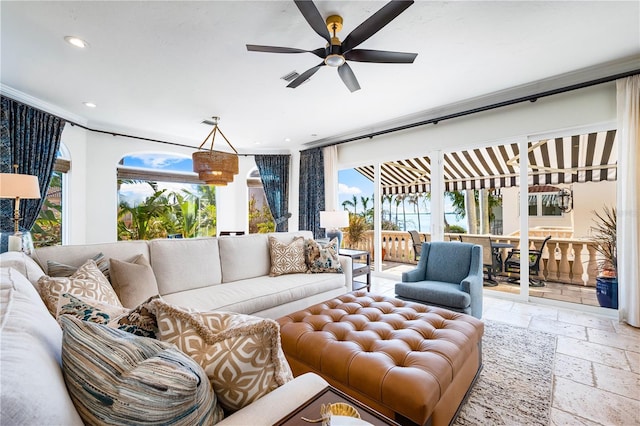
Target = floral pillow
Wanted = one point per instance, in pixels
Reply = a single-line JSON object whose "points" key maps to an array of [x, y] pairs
{"points": [[139, 321], [322, 258]]}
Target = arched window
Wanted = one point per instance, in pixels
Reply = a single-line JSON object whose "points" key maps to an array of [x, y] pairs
{"points": [[48, 230], [260, 218], [159, 196]]}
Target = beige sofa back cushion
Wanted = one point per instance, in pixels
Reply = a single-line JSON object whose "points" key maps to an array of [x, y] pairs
{"points": [[77, 255], [185, 264], [243, 257], [247, 256]]}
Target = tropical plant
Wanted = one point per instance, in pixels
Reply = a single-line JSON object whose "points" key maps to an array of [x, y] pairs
{"points": [[415, 200], [143, 221], [47, 230], [260, 220], [356, 231], [604, 236]]}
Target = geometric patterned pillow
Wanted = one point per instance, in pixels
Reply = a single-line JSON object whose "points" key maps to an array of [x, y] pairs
{"points": [[287, 258], [116, 378], [241, 354], [139, 321], [57, 269], [322, 258], [87, 282]]}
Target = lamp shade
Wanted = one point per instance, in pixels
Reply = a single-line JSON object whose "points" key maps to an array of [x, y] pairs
{"points": [[15, 185], [334, 220]]}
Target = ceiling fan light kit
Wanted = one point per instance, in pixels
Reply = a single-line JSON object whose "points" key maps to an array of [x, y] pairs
{"points": [[215, 167], [336, 54]]}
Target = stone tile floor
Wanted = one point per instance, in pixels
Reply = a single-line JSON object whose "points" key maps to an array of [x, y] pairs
{"points": [[596, 377]]}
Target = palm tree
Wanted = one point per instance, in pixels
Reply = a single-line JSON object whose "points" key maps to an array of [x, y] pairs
{"points": [[388, 198], [415, 200], [397, 200], [145, 217]]}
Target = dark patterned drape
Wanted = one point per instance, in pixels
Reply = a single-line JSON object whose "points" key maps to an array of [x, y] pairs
{"points": [[311, 190], [29, 138], [274, 172]]}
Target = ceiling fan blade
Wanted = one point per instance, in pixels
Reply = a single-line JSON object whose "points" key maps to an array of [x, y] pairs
{"points": [[313, 17], [305, 76], [380, 56], [348, 77], [321, 52], [375, 23]]}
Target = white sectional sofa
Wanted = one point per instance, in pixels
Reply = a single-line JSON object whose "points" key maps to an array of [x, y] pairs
{"points": [[225, 273]]}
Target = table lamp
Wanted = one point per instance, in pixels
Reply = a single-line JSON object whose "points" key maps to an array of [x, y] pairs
{"points": [[332, 222], [18, 186]]}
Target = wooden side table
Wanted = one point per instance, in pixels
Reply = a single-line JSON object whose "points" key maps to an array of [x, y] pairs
{"points": [[331, 395], [359, 268]]}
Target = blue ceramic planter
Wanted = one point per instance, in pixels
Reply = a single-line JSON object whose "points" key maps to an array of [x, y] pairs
{"points": [[607, 292]]}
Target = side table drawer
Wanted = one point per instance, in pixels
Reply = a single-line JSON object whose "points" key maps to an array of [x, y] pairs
{"points": [[360, 269]]}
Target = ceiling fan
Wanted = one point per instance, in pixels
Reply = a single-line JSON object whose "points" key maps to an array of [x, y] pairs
{"points": [[336, 53]]}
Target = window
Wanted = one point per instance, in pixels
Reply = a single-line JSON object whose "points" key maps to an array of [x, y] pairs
{"points": [[260, 218], [544, 204], [48, 228], [160, 197]]}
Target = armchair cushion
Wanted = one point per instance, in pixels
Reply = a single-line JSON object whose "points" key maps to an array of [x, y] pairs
{"points": [[437, 293]]}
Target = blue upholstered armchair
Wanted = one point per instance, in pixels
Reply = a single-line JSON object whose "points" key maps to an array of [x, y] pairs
{"points": [[449, 275]]}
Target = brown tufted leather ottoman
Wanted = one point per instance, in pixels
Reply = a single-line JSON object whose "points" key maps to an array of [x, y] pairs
{"points": [[409, 361]]}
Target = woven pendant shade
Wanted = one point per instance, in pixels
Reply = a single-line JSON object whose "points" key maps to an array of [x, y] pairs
{"points": [[215, 167]]}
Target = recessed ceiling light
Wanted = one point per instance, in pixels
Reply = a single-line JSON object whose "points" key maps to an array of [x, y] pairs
{"points": [[89, 104], [76, 41], [256, 143], [287, 139]]}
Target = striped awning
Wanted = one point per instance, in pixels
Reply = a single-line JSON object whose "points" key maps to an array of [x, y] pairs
{"points": [[590, 157]]}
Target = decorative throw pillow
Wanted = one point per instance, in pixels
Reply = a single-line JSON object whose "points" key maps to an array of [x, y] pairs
{"points": [[116, 378], [287, 258], [57, 269], [241, 354], [139, 321], [322, 258], [134, 281], [87, 281]]}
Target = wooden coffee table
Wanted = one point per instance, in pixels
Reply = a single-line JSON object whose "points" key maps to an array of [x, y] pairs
{"points": [[331, 395]]}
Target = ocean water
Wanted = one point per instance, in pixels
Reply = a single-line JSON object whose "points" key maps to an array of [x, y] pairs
{"points": [[411, 221]]}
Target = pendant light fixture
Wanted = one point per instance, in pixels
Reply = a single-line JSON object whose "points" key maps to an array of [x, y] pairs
{"points": [[215, 167]]}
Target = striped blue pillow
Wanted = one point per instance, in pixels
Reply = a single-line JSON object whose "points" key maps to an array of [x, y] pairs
{"points": [[117, 378]]}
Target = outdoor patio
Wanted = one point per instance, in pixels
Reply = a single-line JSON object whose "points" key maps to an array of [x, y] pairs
{"points": [[573, 293]]}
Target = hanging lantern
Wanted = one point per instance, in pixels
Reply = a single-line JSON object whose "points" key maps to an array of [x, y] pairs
{"points": [[215, 167]]}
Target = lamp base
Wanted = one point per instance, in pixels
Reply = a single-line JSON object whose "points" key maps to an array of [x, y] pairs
{"points": [[335, 233], [16, 241]]}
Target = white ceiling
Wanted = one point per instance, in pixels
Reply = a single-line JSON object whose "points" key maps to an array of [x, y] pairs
{"points": [[157, 69]]}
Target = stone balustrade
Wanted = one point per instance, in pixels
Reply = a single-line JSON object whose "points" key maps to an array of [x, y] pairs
{"points": [[564, 260]]}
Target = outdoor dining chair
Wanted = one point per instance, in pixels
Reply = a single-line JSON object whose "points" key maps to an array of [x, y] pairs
{"points": [[512, 264]]}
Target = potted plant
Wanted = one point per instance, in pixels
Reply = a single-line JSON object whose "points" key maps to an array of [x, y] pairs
{"points": [[604, 236]]}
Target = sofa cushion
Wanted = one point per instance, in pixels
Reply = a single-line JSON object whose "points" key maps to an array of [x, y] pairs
{"points": [[117, 378], [287, 258], [87, 281], [184, 264], [139, 321], [258, 294], [77, 255], [23, 264], [241, 354], [322, 258], [134, 282], [32, 388], [244, 257], [58, 269]]}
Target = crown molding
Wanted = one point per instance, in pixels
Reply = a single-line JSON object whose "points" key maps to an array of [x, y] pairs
{"points": [[42, 105]]}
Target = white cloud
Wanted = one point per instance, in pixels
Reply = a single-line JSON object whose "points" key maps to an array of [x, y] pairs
{"points": [[158, 161], [349, 190]]}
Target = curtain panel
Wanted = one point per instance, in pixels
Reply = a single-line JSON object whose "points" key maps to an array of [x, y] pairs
{"points": [[29, 138], [274, 172], [311, 197], [628, 199], [330, 154]]}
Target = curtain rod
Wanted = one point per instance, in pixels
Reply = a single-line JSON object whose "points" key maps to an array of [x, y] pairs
{"points": [[106, 132], [530, 98]]}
